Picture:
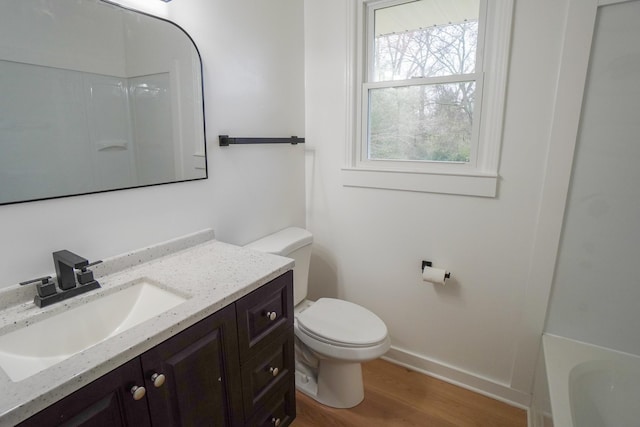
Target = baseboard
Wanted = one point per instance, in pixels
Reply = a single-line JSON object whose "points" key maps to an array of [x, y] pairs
{"points": [[538, 418], [460, 378]]}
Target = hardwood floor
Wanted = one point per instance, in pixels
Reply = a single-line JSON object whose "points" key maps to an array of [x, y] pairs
{"points": [[396, 396]]}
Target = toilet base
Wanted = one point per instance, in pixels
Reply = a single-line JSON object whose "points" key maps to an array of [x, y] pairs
{"points": [[336, 384]]}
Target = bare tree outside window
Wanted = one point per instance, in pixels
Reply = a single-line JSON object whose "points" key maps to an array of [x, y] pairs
{"points": [[425, 120]]}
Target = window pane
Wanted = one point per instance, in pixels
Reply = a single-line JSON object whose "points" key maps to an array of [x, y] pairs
{"points": [[426, 122], [425, 38]]}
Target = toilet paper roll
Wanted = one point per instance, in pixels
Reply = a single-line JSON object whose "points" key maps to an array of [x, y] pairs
{"points": [[437, 276]]}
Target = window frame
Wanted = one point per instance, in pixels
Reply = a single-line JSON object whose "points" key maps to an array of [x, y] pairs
{"points": [[479, 176]]}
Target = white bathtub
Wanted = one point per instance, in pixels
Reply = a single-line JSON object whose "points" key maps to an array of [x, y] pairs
{"points": [[591, 386]]}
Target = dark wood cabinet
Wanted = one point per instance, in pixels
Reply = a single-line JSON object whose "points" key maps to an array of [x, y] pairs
{"points": [[263, 314], [234, 368], [266, 372], [200, 368], [107, 402], [279, 410], [265, 339]]}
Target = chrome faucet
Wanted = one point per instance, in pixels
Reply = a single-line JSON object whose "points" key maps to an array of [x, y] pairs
{"points": [[69, 267]]}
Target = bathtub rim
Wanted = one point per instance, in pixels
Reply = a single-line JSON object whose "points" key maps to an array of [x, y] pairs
{"points": [[561, 355]]}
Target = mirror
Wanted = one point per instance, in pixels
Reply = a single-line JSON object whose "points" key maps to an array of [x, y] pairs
{"points": [[95, 97]]}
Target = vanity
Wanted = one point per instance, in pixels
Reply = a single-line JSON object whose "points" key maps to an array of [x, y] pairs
{"points": [[221, 352]]}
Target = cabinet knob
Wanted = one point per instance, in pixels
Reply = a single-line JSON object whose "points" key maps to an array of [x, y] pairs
{"points": [[272, 315], [275, 421], [157, 379], [274, 371], [138, 392]]}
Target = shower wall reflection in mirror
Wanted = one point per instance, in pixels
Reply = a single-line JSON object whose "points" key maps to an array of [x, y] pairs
{"points": [[95, 97]]}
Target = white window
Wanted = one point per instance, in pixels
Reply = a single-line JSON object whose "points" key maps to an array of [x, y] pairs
{"points": [[431, 78]]}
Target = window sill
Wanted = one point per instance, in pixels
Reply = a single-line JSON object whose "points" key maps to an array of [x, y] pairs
{"points": [[481, 185]]}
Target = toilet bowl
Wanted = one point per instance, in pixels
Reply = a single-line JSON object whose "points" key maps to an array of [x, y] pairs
{"points": [[333, 337], [340, 336]]}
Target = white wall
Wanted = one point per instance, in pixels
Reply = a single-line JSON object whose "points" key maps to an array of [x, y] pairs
{"points": [[595, 123], [597, 287], [251, 51], [253, 54], [369, 243]]}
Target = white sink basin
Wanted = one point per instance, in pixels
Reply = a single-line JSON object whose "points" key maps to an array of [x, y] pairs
{"points": [[33, 348]]}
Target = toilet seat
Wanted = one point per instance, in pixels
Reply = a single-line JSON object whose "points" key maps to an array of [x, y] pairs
{"points": [[341, 323]]}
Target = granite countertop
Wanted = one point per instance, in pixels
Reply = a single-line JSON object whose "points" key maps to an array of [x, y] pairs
{"points": [[213, 274]]}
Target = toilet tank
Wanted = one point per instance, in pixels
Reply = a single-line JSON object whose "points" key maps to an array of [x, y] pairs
{"points": [[293, 243]]}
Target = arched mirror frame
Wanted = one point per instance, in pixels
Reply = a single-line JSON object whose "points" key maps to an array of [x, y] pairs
{"points": [[194, 162]]}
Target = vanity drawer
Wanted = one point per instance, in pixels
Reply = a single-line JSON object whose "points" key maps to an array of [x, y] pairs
{"points": [[265, 311], [267, 371], [279, 410]]}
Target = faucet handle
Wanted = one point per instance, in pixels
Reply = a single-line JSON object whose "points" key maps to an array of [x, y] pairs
{"points": [[44, 280], [45, 288], [85, 276], [91, 264]]}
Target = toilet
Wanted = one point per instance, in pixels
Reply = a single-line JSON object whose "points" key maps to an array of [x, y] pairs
{"points": [[333, 337]]}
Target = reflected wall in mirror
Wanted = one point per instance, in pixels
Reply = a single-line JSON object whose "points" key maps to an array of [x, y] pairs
{"points": [[95, 97]]}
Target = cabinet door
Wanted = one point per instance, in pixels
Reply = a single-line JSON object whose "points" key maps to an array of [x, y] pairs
{"points": [[201, 371], [106, 402]]}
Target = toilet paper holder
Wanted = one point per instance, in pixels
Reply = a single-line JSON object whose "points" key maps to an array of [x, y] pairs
{"points": [[430, 264]]}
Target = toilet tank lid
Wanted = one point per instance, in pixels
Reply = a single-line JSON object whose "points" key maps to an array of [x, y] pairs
{"points": [[283, 242]]}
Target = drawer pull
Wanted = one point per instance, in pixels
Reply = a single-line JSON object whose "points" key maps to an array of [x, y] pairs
{"points": [[274, 371], [275, 421], [138, 392], [272, 315], [157, 380]]}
